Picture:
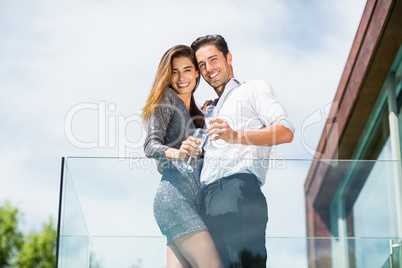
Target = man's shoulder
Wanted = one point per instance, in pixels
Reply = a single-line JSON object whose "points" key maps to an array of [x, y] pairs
{"points": [[256, 83], [257, 86]]}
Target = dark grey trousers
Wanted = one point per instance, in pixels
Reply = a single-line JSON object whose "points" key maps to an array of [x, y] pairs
{"points": [[236, 214]]}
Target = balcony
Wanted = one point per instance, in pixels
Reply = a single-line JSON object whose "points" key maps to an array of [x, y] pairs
{"points": [[106, 215]]}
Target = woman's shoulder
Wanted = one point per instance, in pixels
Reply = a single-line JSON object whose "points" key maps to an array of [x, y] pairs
{"points": [[169, 96]]}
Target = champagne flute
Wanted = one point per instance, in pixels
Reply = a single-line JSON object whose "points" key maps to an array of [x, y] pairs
{"points": [[210, 113], [200, 136]]}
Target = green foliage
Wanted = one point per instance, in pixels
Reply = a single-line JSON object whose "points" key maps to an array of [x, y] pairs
{"points": [[94, 262], [11, 239], [18, 251], [39, 249]]}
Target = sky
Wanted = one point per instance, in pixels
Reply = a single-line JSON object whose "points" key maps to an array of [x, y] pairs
{"points": [[74, 76]]}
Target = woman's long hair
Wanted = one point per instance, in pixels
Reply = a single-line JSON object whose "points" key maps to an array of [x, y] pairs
{"points": [[163, 80]]}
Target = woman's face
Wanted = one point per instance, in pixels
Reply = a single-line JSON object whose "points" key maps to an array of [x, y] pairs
{"points": [[184, 75]]}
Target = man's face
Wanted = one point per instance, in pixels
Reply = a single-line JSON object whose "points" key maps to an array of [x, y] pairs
{"points": [[214, 67]]}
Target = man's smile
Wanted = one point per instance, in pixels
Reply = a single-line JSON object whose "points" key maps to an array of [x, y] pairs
{"points": [[213, 75]]}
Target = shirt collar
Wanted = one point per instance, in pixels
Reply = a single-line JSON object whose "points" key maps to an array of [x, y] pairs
{"points": [[231, 85]]}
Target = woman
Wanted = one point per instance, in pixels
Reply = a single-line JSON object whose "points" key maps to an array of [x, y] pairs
{"points": [[171, 116]]}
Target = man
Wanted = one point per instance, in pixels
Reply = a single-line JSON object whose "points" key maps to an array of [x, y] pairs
{"points": [[250, 120]]}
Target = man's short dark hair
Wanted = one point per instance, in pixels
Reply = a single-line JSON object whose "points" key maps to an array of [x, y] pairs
{"points": [[216, 40]]}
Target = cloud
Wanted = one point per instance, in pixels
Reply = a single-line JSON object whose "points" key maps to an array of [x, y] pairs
{"points": [[56, 55]]}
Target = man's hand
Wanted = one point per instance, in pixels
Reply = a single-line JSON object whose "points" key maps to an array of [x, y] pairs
{"points": [[220, 130]]}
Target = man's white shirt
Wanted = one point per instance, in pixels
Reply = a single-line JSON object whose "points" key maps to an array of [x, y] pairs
{"points": [[244, 106]]}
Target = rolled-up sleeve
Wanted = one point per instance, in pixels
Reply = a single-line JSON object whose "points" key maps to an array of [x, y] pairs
{"points": [[268, 108]]}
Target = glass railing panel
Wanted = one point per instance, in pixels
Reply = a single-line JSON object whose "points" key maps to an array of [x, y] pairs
{"points": [[287, 252], [107, 216], [116, 195], [372, 252], [74, 234], [129, 251], [282, 252], [396, 257], [365, 193], [74, 223], [284, 191], [74, 251], [395, 260], [375, 208]]}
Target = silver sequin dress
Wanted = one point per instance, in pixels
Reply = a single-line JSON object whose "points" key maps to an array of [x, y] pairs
{"points": [[177, 201]]}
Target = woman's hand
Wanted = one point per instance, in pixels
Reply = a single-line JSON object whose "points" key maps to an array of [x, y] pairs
{"points": [[189, 148]]}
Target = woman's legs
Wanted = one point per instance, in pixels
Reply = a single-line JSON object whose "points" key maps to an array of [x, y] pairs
{"points": [[199, 250], [175, 259]]}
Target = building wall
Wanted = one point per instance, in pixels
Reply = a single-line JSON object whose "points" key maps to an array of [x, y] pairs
{"points": [[373, 56]]}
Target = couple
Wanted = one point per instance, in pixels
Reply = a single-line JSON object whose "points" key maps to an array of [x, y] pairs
{"points": [[216, 215]]}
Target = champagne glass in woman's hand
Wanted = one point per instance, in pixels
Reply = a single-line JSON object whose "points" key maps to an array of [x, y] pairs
{"points": [[209, 113], [199, 136]]}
